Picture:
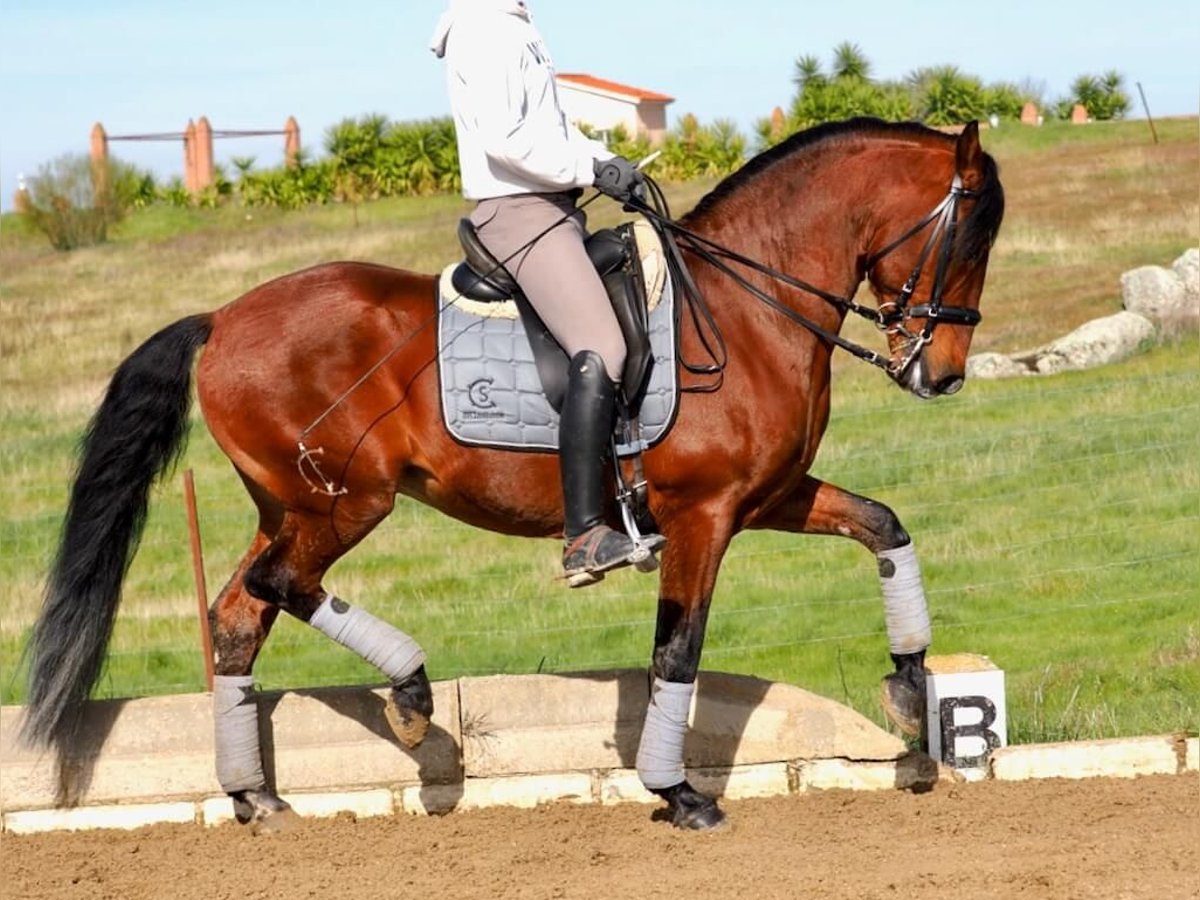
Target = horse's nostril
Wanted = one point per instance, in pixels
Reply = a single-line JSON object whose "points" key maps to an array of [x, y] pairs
{"points": [[951, 384]]}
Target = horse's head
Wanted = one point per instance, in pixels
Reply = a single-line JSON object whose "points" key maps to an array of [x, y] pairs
{"points": [[927, 272]]}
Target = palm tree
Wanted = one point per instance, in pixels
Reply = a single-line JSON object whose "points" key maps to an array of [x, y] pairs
{"points": [[808, 72], [850, 63]]}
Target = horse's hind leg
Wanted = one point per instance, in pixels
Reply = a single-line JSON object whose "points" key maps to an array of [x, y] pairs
{"points": [[240, 625], [284, 573], [816, 507], [287, 575]]}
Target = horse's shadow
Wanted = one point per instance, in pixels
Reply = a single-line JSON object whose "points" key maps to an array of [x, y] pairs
{"points": [[714, 734], [710, 750], [366, 707]]}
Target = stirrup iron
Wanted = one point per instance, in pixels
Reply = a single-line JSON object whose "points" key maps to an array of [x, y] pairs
{"points": [[645, 546]]}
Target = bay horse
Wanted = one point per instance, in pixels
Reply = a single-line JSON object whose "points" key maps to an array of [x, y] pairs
{"points": [[839, 203]]}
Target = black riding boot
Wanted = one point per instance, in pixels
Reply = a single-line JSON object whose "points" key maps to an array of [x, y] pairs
{"points": [[585, 430]]}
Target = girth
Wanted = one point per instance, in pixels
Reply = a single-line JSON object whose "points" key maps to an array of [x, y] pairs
{"points": [[613, 252]]}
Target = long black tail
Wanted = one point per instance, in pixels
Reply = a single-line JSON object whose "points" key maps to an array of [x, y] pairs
{"points": [[136, 435]]}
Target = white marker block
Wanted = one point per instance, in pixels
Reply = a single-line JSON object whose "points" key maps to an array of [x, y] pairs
{"points": [[966, 714]]}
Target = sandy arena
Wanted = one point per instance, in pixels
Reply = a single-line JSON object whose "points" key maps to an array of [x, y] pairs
{"points": [[1037, 840]]}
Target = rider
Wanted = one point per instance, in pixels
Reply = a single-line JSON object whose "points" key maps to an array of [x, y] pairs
{"points": [[526, 165]]}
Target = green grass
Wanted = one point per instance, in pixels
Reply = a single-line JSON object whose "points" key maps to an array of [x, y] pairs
{"points": [[1056, 518]]}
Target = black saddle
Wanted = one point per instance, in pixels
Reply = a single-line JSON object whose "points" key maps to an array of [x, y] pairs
{"points": [[613, 252]]}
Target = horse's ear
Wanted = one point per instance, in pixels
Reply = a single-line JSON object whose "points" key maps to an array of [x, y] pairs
{"points": [[969, 156]]}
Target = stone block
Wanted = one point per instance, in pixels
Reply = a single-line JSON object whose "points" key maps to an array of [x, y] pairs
{"points": [[735, 783], [624, 786], [1191, 759], [742, 782], [525, 792], [541, 723], [339, 738], [160, 748], [152, 748], [362, 804], [109, 816], [843, 774], [1116, 758]]}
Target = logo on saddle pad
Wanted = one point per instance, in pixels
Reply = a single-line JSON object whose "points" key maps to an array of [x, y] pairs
{"points": [[479, 393]]}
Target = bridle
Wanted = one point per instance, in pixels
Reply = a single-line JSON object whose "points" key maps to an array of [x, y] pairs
{"points": [[891, 317]]}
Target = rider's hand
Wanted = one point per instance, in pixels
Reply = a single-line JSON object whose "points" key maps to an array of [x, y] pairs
{"points": [[619, 179]]}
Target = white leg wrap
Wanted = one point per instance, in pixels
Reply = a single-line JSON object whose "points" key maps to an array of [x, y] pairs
{"points": [[384, 646], [904, 607], [235, 725], [660, 754]]}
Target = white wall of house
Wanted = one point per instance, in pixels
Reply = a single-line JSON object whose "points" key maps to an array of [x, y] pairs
{"points": [[604, 110]]}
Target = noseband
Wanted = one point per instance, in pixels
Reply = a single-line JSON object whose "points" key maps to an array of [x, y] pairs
{"points": [[892, 316]]}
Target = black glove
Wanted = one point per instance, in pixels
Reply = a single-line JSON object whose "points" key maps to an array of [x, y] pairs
{"points": [[619, 178]]}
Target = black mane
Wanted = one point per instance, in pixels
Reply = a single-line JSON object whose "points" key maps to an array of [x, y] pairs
{"points": [[976, 233]]}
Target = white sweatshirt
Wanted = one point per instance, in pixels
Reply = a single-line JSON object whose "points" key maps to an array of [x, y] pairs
{"points": [[512, 135]]}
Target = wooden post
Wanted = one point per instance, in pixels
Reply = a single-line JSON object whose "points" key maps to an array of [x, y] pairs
{"points": [[291, 142], [776, 123], [21, 202], [189, 494], [99, 154], [204, 154], [189, 157]]}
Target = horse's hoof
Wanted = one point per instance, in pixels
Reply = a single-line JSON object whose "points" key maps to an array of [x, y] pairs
{"points": [[705, 818], [408, 709], [690, 810], [264, 812], [409, 726], [280, 821], [903, 704]]}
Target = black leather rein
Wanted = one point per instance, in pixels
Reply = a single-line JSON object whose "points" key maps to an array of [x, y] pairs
{"points": [[890, 317]]}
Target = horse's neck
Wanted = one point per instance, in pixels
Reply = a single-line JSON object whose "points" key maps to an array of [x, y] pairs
{"points": [[798, 229]]}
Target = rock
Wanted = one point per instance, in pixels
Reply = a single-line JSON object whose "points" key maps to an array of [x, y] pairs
{"points": [[1095, 343], [1187, 267], [1153, 292], [994, 365]]}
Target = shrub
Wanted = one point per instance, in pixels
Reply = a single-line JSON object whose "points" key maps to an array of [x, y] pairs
{"points": [[1004, 100], [1102, 96], [945, 96], [692, 150], [74, 202]]}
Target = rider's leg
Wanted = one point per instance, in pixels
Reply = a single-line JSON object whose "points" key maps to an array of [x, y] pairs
{"points": [[591, 548], [561, 284]]}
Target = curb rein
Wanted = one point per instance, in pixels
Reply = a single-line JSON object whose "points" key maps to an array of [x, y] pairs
{"points": [[890, 317]]}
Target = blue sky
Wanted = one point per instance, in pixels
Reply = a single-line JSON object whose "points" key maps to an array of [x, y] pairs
{"points": [[139, 66]]}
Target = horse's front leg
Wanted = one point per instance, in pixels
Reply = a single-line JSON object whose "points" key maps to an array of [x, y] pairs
{"points": [[816, 507], [689, 572]]}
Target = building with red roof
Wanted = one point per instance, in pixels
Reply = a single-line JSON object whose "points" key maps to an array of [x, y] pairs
{"points": [[603, 105]]}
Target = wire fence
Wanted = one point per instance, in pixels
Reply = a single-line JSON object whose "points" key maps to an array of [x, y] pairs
{"points": [[1054, 519]]}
